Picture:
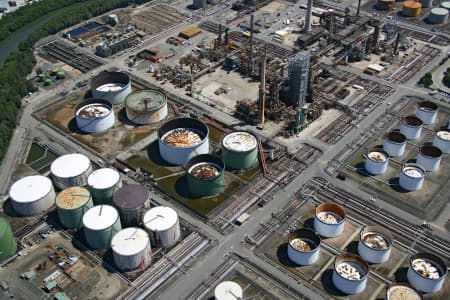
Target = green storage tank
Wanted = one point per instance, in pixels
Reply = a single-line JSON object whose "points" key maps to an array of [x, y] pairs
{"points": [[48, 82], [205, 175], [60, 75], [103, 183], [8, 245], [100, 224], [239, 150], [71, 204]]}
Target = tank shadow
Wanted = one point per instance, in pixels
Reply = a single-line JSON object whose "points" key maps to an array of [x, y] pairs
{"points": [[154, 156], [73, 127], [108, 262], [283, 257], [400, 275], [181, 187], [122, 116], [395, 185], [361, 169], [309, 223], [352, 247], [9, 210], [327, 282]]}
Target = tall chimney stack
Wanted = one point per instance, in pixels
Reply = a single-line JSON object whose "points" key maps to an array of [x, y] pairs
{"points": [[359, 6], [308, 16], [262, 87], [251, 67]]}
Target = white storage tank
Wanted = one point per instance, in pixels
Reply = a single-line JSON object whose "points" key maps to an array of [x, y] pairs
{"points": [[100, 224], [103, 183], [163, 226], [131, 249], [438, 15], [411, 127], [394, 143], [131, 200], [71, 170], [412, 177], [111, 86], [71, 204], [427, 111], [228, 290], [146, 106], [429, 157], [303, 246], [402, 291], [427, 272], [350, 274], [32, 195], [329, 219], [181, 139], [94, 115], [426, 3], [377, 161], [442, 140], [375, 244]]}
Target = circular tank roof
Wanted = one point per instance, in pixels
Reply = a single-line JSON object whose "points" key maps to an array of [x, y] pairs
{"points": [[446, 4], [103, 178], [30, 188], [228, 290], [412, 4], [93, 110], [146, 100], [70, 165], [439, 11], [131, 196], [401, 291], [160, 218], [129, 241], [240, 141], [73, 198], [100, 217]]}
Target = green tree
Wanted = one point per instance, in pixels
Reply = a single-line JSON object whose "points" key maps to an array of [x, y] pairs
{"points": [[426, 80]]}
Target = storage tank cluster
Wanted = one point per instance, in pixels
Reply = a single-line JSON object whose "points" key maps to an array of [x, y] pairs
{"points": [[94, 115], [111, 86], [146, 107], [427, 272], [163, 225]]}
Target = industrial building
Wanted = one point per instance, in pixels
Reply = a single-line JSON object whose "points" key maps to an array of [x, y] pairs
{"points": [[298, 70]]}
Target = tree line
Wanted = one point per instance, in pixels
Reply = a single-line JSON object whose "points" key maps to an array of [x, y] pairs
{"points": [[13, 82]]}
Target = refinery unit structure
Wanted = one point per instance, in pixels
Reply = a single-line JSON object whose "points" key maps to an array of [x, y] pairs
{"points": [[131, 200], [71, 204], [205, 175], [131, 249], [163, 226], [100, 224], [71, 170], [32, 195], [181, 139], [103, 183], [239, 150], [111, 86], [94, 115], [146, 107]]}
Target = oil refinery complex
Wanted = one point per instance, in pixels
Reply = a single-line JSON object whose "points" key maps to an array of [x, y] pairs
{"points": [[245, 149]]}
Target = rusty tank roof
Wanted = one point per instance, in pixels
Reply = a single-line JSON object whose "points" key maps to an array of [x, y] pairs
{"points": [[73, 197]]}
